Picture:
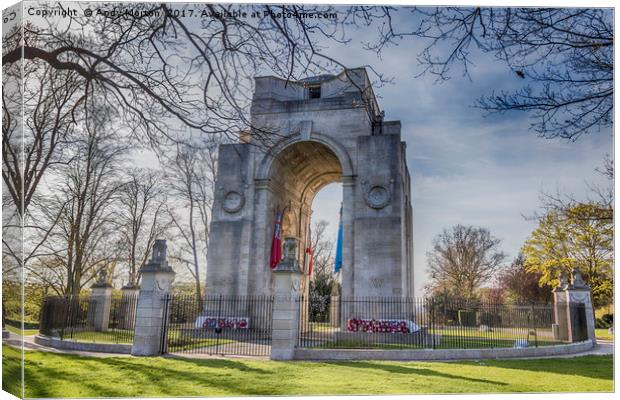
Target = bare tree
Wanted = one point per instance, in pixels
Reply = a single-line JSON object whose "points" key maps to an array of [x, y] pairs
{"points": [[520, 285], [191, 180], [33, 144], [162, 65], [463, 258], [12, 241], [575, 233], [45, 98], [562, 59], [159, 67], [322, 260], [81, 208], [600, 198], [141, 219], [322, 249]]}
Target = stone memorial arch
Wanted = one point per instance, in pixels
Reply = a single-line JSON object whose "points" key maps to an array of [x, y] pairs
{"points": [[324, 129]]}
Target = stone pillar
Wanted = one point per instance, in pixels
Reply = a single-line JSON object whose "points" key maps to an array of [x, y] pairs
{"points": [[578, 293], [334, 306], [285, 323], [100, 303], [151, 311], [305, 218], [348, 251], [560, 327]]}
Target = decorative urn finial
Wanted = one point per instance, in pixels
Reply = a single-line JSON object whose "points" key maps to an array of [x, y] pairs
{"points": [[289, 260], [158, 261], [578, 282], [563, 281]]}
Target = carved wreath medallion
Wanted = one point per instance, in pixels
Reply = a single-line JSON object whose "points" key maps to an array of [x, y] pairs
{"points": [[378, 196], [233, 202]]}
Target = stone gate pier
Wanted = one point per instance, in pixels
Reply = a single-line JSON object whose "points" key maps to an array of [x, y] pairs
{"points": [[573, 309], [307, 134]]}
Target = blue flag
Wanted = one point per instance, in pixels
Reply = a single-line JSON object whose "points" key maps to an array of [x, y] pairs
{"points": [[338, 261]]}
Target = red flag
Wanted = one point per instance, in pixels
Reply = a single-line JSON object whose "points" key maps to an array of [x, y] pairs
{"points": [[276, 243], [309, 252]]}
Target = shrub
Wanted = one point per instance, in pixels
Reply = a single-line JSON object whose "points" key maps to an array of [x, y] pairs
{"points": [[17, 324], [488, 318], [467, 318], [600, 324], [606, 321]]}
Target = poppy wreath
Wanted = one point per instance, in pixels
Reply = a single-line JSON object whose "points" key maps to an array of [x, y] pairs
{"points": [[378, 325], [226, 323]]}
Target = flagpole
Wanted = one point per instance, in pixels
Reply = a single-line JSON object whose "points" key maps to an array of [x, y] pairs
{"points": [[338, 258]]}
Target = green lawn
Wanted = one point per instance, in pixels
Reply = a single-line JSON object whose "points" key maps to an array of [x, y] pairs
{"points": [[599, 312], [603, 334], [451, 338], [18, 331], [178, 342], [57, 375], [446, 343], [118, 336], [175, 342]]}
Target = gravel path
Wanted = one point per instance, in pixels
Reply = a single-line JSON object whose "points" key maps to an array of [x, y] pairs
{"points": [[603, 347], [29, 344]]}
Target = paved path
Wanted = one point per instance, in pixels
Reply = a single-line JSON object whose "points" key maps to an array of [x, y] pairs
{"points": [[603, 347], [29, 344]]}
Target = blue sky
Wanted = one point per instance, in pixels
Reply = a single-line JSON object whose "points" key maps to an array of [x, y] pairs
{"points": [[467, 168]]}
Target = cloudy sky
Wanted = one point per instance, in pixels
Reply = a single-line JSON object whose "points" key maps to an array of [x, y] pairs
{"points": [[467, 168]]}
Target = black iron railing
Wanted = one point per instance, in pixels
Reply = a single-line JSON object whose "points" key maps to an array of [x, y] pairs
{"points": [[227, 325], [85, 319], [427, 323], [242, 325]]}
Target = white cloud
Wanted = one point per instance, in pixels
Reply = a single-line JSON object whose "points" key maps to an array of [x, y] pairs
{"points": [[467, 168]]}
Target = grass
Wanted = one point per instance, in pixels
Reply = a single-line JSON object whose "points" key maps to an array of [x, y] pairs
{"points": [[472, 338], [181, 344], [183, 341], [11, 370], [175, 341], [62, 375], [499, 333], [17, 331], [451, 338], [322, 327], [102, 337], [603, 334], [599, 312], [446, 343]]}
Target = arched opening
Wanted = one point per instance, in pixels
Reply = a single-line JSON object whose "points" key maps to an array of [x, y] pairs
{"points": [[297, 174], [325, 222], [305, 182]]}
